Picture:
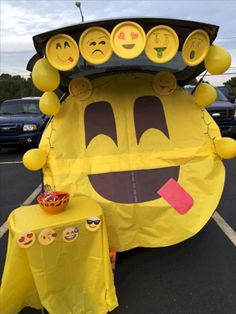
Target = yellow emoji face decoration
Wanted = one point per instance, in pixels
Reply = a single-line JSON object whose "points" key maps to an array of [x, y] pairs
{"points": [[70, 234], [62, 52], [80, 87], [26, 239], [162, 44], [47, 236], [95, 45], [151, 168], [93, 223], [128, 40], [195, 47], [164, 83]]}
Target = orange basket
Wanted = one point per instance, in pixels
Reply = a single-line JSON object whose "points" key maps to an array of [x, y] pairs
{"points": [[53, 203]]}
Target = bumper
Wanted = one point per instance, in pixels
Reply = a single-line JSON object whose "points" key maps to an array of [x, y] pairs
{"points": [[229, 130], [18, 140]]}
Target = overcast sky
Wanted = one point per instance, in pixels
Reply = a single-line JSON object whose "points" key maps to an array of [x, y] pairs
{"points": [[22, 19]]}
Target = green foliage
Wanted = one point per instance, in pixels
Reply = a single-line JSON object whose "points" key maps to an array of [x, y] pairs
{"points": [[16, 87]]}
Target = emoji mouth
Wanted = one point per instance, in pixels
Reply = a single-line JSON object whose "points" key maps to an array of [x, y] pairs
{"points": [[97, 50], [70, 59], [132, 186], [128, 46], [192, 54], [160, 51], [70, 237], [26, 243]]}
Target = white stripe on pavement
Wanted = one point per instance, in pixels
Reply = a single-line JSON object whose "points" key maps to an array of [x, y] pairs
{"points": [[28, 201], [228, 231], [10, 162]]}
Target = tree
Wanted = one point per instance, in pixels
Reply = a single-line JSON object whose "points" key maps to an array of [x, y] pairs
{"points": [[232, 83], [16, 87]]}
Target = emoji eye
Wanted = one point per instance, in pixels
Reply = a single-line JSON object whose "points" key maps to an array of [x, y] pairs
{"points": [[121, 35], [22, 239], [66, 44], [102, 42], [58, 45], [149, 113], [99, 119], [96, 222], [93, 43], [29, 235], [89, 222]]}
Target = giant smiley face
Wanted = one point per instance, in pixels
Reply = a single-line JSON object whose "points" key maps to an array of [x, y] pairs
{"points": [[133, 150]]}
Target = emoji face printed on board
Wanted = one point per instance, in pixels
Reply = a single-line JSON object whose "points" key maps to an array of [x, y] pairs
{"points": [[95, 45], [195, 47], [70, 234], [162, 44], [47, 236], [62, 52], [128, 40], [80, 87], [164, 83], [93, 223], [26, 239]]}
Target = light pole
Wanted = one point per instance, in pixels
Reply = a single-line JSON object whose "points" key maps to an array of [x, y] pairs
{"points": [[78, 4]]}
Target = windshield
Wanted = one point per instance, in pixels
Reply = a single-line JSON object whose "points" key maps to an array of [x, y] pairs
{"points": [[20, 106], [220, 95]]}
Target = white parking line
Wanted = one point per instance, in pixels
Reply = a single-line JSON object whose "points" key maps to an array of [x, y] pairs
{"points": [[11, 162], [228, 231], [28, 201]]}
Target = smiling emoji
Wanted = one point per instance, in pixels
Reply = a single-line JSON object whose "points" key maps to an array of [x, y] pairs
{"points": [[128, 40], [80, 87], [93, 223], [164, 83], [26, 239], [47, 236], [70, 234], [153, 170], [162, 44], [62, 52], [95, 45]]}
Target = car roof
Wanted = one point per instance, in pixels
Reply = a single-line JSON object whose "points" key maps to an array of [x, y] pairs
{"points": [[182, 27]]}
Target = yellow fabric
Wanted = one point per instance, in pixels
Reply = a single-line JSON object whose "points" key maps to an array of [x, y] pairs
{"points": [[63, 277], [190, 146]]}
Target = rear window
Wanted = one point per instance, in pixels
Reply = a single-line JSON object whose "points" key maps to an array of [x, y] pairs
{"points": [[20, 106], [140, 63]]}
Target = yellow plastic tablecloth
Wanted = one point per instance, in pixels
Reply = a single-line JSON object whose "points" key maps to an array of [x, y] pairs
{"points": [[63, 277]]}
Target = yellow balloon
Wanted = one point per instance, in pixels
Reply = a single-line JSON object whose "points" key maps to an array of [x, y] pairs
{"points": [[205, 94], [218, 60], [34, 159], [44, 76], [225, 147], [49, 103]]}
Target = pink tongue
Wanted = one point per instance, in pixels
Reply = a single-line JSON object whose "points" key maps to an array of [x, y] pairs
{"points": [[176, 196]]}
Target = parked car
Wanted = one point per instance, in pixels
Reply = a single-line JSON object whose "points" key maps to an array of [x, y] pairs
{"points": [[21, 122], [228, 92], [223, 112]]}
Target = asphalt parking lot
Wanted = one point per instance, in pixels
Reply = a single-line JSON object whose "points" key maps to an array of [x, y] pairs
{"points": [[196, 276]]}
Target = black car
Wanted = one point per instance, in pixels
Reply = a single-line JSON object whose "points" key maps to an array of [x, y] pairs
{"points": [[21, 122], [223, 112]]}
